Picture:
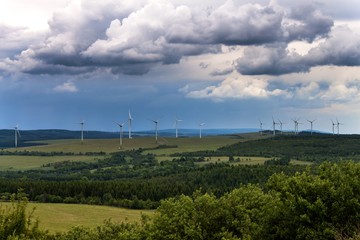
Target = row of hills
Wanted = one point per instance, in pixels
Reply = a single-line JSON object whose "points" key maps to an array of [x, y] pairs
{"points": [[28, 137]]}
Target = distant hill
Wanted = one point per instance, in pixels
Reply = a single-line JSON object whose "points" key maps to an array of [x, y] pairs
{"points": [[196, 132], [7, 135]]}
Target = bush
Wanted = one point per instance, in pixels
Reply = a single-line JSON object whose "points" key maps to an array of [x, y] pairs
{"points": [[16, 223]]}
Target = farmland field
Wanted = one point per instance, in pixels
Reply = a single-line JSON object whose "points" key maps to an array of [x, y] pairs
{"points": [[112, 145], [61, 217], [22, 163]]}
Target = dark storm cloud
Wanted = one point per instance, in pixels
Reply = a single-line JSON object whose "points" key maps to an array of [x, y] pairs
{"points": [[307, 23], [133, 37], [270, 60], [341, 48]]}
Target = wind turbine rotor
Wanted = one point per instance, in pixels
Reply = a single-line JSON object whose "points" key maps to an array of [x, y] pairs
{"points": [[261, 125], [338, 126], [156, 122], [311, 125]]}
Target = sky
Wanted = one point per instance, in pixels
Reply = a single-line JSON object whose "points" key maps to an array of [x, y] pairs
{"points": [[228, 64]]}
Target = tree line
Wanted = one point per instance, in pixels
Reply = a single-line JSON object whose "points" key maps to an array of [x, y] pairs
{"points": [[143, 192], [317, 148]]}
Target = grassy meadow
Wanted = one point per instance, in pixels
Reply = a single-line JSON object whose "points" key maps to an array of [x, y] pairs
{"points": [[61, 217], [176, 145], [22, 163], [10, 162], [112, 145]]}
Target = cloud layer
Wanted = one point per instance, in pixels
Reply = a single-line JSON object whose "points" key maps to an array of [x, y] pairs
{"points": [[132, 37], [341, 48]]}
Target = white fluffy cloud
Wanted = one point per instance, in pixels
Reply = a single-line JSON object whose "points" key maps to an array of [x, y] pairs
{"points": [[66, 87], [237, 87]]}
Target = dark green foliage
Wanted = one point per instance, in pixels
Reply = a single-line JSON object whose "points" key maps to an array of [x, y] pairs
{"points": [[317, 148], [320, 206], [146, 192], [280, 161], [16, 222], [304, 206]]}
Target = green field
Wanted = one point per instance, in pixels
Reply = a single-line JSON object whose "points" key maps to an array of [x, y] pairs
{"points": [[15, 163], [61, 217], [112, 145], [109, 146], [90, 145], [176, 145]]}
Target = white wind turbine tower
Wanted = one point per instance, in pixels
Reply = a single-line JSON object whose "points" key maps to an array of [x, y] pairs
{"points": [[200, 129], [311, 125], [17, 134], [261, 127], [82, 131], [156, 129], [333, 127], [274, 124], [176, 126], [121, 125], [338, 126], [130, 121], [281, 124], [296, 123]]}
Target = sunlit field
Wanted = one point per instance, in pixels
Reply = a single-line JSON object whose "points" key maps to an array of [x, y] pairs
{"points": [[61, 217]]}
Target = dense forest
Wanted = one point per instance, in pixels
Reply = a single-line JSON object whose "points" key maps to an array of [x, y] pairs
{"points": [[317, 148], [310, 205]]}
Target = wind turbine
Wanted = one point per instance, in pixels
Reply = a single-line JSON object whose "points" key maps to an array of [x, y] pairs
{"points": [[333, 127], [200, 128], [274, 124], [261, 125], [338, 126], [130, 121], [311, 125], [17, 133], [82, 131], [281, 124], [176, 126], [296, 123], [121, 125], [156, 129]]}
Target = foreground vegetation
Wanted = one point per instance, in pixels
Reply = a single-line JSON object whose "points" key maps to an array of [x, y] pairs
{"points": [[324, 204]]}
